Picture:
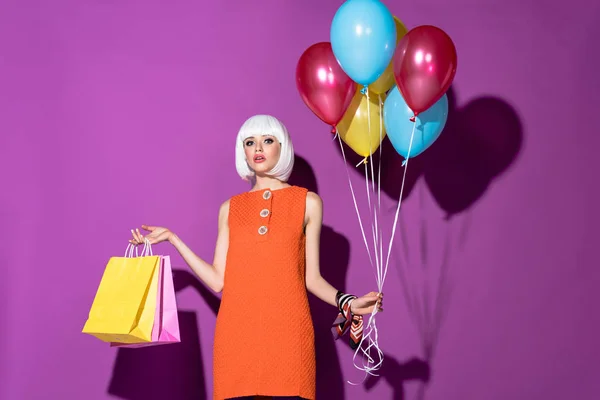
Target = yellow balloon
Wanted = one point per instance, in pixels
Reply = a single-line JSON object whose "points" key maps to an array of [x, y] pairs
{"points": [[354, 126], [386, 81]]}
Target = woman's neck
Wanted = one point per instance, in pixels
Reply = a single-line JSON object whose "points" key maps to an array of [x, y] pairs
{"points": [[265, 182]]}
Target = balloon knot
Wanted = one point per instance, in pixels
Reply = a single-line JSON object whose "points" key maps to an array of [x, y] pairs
{"points": [[333, 130], [363, 161], [404, 163], [364, 89], [412, 119]]}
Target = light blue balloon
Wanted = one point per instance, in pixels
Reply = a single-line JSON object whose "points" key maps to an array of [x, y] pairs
{"points": [[363, 39], [429, 124]]}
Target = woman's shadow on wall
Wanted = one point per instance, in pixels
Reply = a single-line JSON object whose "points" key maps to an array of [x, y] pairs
{"points": [[334, 261], [170, 371], [175, 371]]}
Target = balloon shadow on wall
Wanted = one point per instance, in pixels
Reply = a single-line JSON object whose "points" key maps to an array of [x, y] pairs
{"points": [[334, 260], [170, 371], [479, 144]]}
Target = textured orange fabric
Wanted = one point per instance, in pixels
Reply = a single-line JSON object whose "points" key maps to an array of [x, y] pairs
{"points": [[264, 338]]}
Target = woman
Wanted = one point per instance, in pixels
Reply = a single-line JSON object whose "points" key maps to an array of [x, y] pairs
{"points": [[266, 257]]}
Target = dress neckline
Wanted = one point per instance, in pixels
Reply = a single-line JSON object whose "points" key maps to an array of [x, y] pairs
{"points": [[271, 190]]}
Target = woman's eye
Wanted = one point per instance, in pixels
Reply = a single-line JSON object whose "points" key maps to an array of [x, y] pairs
{"points": [[268, 141], [249, 143]]}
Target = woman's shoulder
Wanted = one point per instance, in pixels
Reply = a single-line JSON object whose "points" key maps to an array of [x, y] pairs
{"points": [[314, 203]]}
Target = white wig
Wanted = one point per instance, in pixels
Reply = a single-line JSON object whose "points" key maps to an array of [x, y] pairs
{"points": [[257, 126]]}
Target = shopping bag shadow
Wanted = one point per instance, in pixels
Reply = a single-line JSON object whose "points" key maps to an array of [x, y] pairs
{"points": [[169, 371]]}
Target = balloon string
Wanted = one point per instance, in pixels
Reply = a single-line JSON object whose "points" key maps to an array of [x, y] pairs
{"points": [[355, 204], [377, 256], [371, 332], [372, 209], [363, 161], [370, 137], [379, 178], [372, 337], [399, 200]]}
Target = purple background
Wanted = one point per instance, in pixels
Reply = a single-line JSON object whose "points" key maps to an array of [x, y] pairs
{"points": [[118, 113]]}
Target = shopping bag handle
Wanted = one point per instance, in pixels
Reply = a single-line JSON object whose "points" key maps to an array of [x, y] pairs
{"points": [[146, 251], [129, 250]]}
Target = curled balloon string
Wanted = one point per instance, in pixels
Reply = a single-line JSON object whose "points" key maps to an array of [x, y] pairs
{"points": [[371, 337]]}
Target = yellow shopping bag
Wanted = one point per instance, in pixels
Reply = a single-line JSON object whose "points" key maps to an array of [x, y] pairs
{"points": [[125, 303]]}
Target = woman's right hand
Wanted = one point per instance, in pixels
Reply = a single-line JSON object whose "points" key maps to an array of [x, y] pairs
{"points": [[156, 235]]}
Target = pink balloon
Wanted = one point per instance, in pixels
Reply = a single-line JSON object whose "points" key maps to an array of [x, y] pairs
{"points": [[323, 85], [424, 66]]}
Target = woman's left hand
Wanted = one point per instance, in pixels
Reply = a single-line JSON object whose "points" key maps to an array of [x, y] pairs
{"points": [[365, 304]]}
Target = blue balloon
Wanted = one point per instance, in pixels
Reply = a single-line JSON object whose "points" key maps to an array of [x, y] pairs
{"points": [[399, 127], [363, 39]]}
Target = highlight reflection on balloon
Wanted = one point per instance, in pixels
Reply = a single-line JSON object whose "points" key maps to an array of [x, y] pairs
{"points": [[323, 85], [363, 38], [424, 66]]}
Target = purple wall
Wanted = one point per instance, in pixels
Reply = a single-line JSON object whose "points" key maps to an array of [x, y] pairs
{"points": [[113, 114]]}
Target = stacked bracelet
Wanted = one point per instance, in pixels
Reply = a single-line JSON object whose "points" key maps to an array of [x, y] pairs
{"points": [[342, 299], [346, 320]]}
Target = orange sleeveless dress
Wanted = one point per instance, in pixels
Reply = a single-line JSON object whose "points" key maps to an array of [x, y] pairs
{"points": [[264, 337]]}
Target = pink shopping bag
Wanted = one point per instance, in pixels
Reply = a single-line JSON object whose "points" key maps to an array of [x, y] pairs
{"points": [[166, 321]]}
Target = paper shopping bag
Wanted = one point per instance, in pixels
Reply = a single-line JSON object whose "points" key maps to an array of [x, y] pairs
{"points": [[166, 321], [125, 303]]}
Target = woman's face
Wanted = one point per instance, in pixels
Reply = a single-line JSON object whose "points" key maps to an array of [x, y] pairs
{"points": [[262, 153]]}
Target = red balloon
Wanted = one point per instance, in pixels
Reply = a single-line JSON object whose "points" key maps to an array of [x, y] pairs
{"points": [[323, 85], [424, 66]]}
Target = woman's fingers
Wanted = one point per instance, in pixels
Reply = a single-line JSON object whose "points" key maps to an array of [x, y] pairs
{"points": [[148, 228], [137, 237]]}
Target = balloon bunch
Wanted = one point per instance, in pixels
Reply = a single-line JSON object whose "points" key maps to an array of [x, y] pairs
{"points": [[376, 78], [372, 52]]}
